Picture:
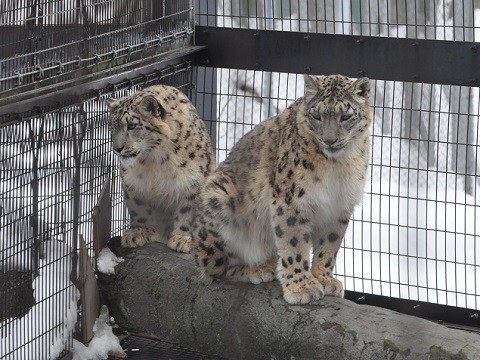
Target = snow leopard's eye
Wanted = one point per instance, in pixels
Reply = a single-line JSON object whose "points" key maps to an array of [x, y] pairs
{"points": [[131, 126], [346, 117], [315, 114]]}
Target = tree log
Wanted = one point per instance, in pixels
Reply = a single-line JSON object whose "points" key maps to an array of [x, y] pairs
{"points": [[159, 292]]}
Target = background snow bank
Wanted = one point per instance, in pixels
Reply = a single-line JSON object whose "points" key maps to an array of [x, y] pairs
{"points": [[415, 234]]}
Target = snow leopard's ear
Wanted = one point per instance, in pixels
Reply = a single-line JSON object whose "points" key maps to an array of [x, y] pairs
{"points": [[112, 103], [150, 105], [361, 89], [311, 86]]}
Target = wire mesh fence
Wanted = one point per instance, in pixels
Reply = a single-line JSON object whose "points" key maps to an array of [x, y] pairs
{"points": [[53, 168], [56, 153], [51, 172], [142, 348], [415, 235]]}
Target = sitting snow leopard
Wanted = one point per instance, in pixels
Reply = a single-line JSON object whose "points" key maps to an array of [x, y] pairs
{"points": [[288, 185], [165, 153]]}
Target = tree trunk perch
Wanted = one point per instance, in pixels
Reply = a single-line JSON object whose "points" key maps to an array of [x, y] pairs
{"points": [[159, 292]]}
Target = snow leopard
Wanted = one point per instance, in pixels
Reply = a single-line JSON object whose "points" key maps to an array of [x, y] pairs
{"points": [[287, 190], [164, 153]]}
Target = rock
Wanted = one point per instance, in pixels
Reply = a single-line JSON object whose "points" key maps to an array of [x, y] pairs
{"points": [[159, 292], [16, 293]]}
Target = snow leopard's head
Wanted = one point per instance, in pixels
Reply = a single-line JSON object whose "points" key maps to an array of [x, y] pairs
{"points": [[337, 109]]}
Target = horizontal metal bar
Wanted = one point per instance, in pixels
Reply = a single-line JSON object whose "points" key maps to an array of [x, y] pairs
{"points": [[74, 88], [410, 60]]}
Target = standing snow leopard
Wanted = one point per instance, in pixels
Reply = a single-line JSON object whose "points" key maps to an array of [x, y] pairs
{"points": [[165, 153], [288, 185]]}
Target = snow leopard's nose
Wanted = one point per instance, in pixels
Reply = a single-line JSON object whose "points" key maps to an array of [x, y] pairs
{"points": [[118, 149]]}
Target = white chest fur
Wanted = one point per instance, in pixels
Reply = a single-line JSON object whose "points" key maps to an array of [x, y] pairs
{"points": [[336, 190], [158, 185]]}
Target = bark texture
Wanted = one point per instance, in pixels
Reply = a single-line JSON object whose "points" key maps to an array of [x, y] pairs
{"points": [[159, 292]]}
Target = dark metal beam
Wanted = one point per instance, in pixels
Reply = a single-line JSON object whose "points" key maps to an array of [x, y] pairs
{"points": [[410, 60], [450, 316]]}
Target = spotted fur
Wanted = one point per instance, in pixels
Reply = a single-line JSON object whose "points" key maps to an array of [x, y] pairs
{"points": [[289, 186], [165, 153]]}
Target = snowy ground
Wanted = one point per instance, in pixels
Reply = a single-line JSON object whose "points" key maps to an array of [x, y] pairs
{"points": [[48, 323], [104, 342], [422, 248], [45, 331]]}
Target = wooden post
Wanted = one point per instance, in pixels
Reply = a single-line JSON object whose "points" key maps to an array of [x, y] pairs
{"points": [[102, 219], [89, 293]]}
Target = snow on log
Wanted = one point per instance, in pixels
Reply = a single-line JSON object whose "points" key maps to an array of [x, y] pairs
{"points": [[158, 292]]}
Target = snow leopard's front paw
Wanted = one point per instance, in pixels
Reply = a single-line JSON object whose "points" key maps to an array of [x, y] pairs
{"points": [[138, 237], [253, 274], [180, 242], [332, 286], [302, 290]]}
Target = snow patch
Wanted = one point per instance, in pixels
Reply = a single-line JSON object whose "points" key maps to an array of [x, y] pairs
{"points": [[67, 327], [104, 342], [107, 261]]}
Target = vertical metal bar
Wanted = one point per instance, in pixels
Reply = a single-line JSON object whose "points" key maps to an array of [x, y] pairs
{"points": [[206, 78], [267, 81], [35, 144], [390, 180], [449, 140], [475, 229], [418, 189], [77, 144], [400, 193]]}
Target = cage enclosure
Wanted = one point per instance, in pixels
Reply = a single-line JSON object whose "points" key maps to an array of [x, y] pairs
{"points": [[412, 245]]}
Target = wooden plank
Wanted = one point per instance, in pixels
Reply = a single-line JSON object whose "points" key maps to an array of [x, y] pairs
{"points": [[89, 293], [102, 219]]}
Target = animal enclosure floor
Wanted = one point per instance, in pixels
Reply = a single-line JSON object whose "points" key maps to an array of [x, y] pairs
{"points": [[144, 348]]}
